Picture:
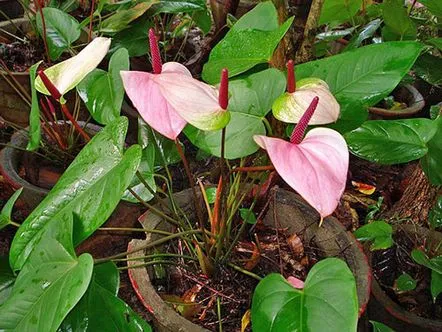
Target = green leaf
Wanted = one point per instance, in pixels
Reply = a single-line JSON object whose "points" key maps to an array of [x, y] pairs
{"points": [[432, 162], [329, 291], [429, 68], [245, 45], [405, 283], [178, 6], [367, 32], [203, 20], [434, 6], [262, 17], [436, 284], [103, 92], [34, 116], [100, 309], [121, 19], [134, 39], [436, 42], [61, 30], [334, 34], [90, 188], [7, 279], [251, 99], [248, 216], [339, 10], [434, 264], [435, 215], [397, 20], [211, 195], [365, 75], [50, 284], [379, 327], [379, 232], [5, 214], [391, 141]]}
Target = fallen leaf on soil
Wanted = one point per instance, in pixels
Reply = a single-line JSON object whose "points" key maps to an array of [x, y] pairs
{"points": [[254, 259], [364, 188], [296, 245], [245, 320]]}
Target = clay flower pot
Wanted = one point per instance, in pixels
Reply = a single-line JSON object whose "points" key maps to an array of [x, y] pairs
{"points": [[383, 309], [292, 212], [407, 94]]}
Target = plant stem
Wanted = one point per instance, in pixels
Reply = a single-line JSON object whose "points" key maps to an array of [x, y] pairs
{"points": [[13, 223], [91, 17], [66, 112], [218, 311], [24, 150], [145, 264], [43, 23], [248, 273], [147, 246], [127, 229], [253, 169], [268, 126], [154, 256]]}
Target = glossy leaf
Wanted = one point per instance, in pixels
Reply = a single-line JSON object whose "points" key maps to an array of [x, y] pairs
{"points": [[211, 194], [7, 279], [379, 327], [405, 283], [178, 6], [90, 188], [429, 68], [49, 285], [436, 284], [34, 115], [434, 264], [122, 18], [432, 162], [392, 141], [250, 101], [365, 75], [134, 38], [329, 291], [100, 309], [67, 74], [339, 10], [434, 6], [61, 30], [248, 216], [436, 42], [378, 232], [103, 92], [5, 214], [367, 32], [435, 215], [322, 160], [397, 20], [247, 44]]}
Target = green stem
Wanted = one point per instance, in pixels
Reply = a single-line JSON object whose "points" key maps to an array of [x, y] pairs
{"points": [[146, 264], [13, 223], [248, 273], [268, 126], [125, 229], [153, 256], [218, 311]]}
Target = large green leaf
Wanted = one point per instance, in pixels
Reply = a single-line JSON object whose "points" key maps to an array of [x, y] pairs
{"points": [[178, 6], [90, 188], [245, 45], [392, 141], [121, 19], [339, 10], [429, 68], [134, 39], [328, 301], [251, 100], [432, 162], [100, 309], [365, 75], [61, 30], [103, 92], [34, 115], [49, 285], [434, 6], [7, 279], [396, 19], [436, 284], [436, 42]]}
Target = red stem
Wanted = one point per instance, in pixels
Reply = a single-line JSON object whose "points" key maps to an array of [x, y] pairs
{"points": [[66, 112], [39, 5], [91, 17], [291, 82], [298, 132], [223, 98], [155, 52]]}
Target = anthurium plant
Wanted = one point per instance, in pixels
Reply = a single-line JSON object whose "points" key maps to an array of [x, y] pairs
{"points": [[50, 288]]}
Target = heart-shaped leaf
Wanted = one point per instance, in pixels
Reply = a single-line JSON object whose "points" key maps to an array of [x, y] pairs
{"points": [[339, 10], [316, 168], [379, 232], [7, 279], [121, 19], [247, 44], [49, 285], [397, 21], [100, 309], [90, 188], [432, 162], [61, 30], [392, 141], [103, 92], [329, 291], [405, 283], [134, 38], [434, 6], [250, 101]]}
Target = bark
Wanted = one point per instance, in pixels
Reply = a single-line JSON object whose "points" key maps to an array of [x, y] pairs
{"points": [[417, 200]]}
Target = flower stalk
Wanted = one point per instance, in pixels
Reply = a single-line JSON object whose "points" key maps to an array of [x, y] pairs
{"points": [[291, 82]]}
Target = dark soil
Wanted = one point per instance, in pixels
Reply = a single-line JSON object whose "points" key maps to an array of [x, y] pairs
{"points": [[389, 264], [19, 56]]}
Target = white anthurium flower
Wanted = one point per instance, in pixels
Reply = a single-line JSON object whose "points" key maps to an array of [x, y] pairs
{"points": [[67, 74]]}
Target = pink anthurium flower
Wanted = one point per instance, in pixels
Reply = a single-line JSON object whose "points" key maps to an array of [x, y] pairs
{"points": [[169, 98], [290, 106], [316, 166]]}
